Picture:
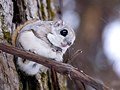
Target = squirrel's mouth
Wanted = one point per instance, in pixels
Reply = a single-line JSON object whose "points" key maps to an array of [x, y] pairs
{"points": [[64, 44]]}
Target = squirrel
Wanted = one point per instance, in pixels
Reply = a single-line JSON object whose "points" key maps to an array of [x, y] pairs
{"points": [[49, 39]]}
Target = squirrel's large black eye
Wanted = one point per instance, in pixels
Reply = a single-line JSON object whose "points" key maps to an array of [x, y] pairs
{"points": [[64, 32]]}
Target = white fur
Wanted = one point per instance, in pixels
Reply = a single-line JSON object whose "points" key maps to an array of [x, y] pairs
{"points": [[28, 68], [36, 45]]}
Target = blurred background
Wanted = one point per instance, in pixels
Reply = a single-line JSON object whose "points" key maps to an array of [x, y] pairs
{"points": [[97, 27]]}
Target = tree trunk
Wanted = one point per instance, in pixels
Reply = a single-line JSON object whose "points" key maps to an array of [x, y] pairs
{"points": [[12, 14], [8, 75]]}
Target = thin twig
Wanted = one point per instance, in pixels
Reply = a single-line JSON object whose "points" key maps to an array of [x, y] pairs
{"points": [[78, 52], [59, 67]]}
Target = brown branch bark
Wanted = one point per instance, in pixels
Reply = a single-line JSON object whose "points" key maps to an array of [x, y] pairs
{"points": [[59, 67]]}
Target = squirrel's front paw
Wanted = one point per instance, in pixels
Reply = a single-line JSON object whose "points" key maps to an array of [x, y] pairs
{"points": [[59, 58]]}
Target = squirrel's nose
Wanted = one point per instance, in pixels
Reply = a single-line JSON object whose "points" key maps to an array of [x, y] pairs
{"points": [[69, 43]]}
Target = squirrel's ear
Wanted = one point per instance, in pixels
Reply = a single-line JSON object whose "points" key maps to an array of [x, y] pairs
{"points": [[58, 23]]}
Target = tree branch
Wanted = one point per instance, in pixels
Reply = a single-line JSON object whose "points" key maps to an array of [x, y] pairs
{"points": [[62, 68]]}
